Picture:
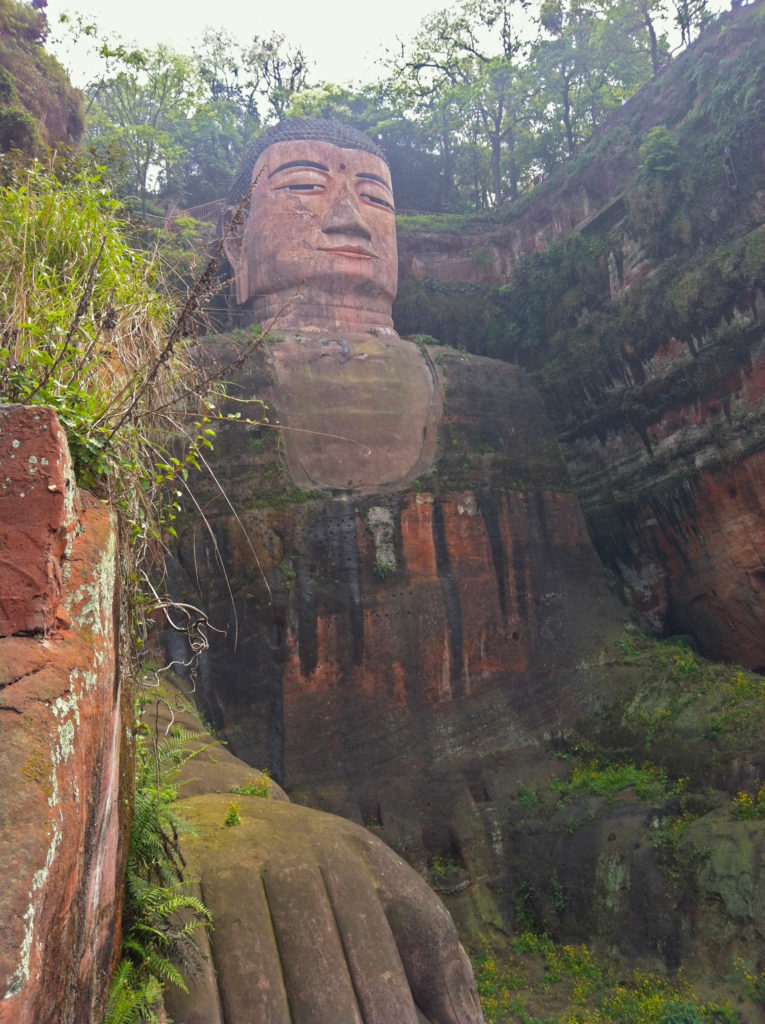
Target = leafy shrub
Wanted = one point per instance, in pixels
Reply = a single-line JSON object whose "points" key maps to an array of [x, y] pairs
{"points": [[658, 151], [527, 795], [18, 130], [680, 1013], [747, 807], [87, 328], [685, 662], [649, 781]]}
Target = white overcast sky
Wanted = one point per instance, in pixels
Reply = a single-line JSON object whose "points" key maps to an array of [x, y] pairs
{"points": [[343, 38]]}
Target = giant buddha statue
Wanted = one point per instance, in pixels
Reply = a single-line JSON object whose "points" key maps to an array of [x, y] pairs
{"points": [[412, 597]]}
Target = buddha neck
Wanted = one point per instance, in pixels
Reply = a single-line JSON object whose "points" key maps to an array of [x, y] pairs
{"points": [[291, 312]]}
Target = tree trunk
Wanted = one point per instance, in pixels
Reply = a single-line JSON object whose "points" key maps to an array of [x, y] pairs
{"points": [[512, 167], [496, 175], [567, 117], [654, 42]]}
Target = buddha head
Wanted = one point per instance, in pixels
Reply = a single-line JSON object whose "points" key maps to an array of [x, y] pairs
{"points": [[317, 246]]}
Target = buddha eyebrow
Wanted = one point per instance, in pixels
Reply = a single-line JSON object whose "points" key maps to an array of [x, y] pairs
{"points": [[376, 177], [299, 163]]}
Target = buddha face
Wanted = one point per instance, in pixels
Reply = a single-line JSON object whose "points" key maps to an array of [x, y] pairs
{"points": [[321, 228]]}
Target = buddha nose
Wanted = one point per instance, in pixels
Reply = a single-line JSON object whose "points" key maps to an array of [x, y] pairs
{"points": [[344, 217]]}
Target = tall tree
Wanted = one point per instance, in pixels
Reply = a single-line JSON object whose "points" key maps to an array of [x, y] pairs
{"points": [[177, 125], [245, 86], [138, 116], [469, 57], [589, 57]]}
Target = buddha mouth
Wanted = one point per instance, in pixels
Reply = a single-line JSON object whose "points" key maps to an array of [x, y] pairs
{"points": [[355, 251]]}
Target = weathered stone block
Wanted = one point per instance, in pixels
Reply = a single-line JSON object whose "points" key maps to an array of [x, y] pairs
{"points": [[61, 734]]}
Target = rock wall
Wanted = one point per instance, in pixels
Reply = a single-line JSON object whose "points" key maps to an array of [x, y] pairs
{"points": [[671, 476], [62, 750], [656, 384]]}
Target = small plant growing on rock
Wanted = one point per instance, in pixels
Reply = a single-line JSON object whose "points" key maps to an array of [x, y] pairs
{"points": [[258, 785], [747, 807], [527, 796], [232, 815], [288, 574], [658, 151], [685, 662], [382, 570], [442, 867]]}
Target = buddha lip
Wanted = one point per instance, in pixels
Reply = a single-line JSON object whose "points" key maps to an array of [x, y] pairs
{"points": [[349, 250]]}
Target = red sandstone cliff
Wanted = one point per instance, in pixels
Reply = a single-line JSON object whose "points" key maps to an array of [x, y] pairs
{"points": [[61, 733]]}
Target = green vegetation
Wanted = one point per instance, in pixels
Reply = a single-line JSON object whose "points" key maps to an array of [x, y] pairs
{"points": [[658, 151], [527, 796], [473, 111], [590, 776], [288, 574], [161, 912], [232, 818], [721, 701], [442, 868], [38, 106], [258, 785], [581, 988], [749, 807], [86, 329], [557, 316]]}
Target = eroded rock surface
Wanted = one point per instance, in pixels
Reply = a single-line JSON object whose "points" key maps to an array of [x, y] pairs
{"points": [[38, 519], [673, 483], [61, 843]]}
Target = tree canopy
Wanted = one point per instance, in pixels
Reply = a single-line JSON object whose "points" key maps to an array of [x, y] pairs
{"points": [[484, 100]]}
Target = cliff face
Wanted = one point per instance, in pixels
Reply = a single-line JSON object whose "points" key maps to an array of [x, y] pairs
{"points": [[61, 847], [672, 481], [640, 313]]}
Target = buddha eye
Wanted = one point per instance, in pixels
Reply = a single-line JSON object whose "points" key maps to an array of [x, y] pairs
{"points": [[377, 201], [300, 188]]}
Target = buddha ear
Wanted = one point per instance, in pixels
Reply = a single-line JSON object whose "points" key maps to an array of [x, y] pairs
{"points": [[236, 253]]}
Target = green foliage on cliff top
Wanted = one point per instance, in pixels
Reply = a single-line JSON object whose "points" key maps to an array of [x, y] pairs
{"points": [[649, 781], [38, 105]]}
